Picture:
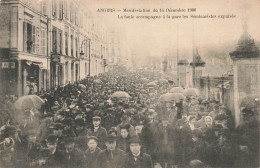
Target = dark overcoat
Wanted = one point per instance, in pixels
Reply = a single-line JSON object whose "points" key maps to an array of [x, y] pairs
{"points": [[101, 134], [106, 160], [90, 159], [142, 161]]}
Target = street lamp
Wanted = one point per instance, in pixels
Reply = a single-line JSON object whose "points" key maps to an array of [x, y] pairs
{"points": [[82, 53]]}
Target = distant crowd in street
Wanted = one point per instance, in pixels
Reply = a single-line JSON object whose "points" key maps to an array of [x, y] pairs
{"points": [[81, 125]]}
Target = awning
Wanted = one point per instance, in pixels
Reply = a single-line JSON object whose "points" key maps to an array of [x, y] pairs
{"points": [[226, 85], [38, 61], [39, 64]]}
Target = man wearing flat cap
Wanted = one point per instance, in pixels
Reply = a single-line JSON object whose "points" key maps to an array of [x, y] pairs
{"points": [[98, 131], [136, 158], [90, 155], [111, 157]]}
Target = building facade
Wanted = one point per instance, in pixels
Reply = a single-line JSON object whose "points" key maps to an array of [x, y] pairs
{"points": [[47, 44], [116, 57]]}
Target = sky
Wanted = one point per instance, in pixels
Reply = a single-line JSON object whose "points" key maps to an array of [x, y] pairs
{"points": [[159, 37]]}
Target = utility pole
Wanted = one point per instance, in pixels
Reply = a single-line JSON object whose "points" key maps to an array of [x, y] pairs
{"points": [[193, 58], [88, 57], [178, 71], [222, 79], [208, 88]]}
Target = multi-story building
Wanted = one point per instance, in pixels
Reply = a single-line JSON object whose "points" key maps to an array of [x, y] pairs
{"points": [[24, 47], [83, 50], [116, 57], [49, 43]]}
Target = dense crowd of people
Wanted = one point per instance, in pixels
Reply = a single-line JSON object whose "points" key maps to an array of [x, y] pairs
{"points": [[81, 125]]}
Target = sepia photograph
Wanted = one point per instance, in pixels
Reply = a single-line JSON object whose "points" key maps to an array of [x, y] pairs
{"points": [[129, 83]]}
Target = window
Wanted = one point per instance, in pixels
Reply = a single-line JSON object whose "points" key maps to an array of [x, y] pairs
{"points": [[66, 9], [71, 41], [76, 46], [43, 7], [33, 38], [60, 10], [28, 37], [37, 40], [43, 41], [66, 43], [60, 44], [71, 12], [76, 16], [54, 8], [54, 40], [57, 41]]}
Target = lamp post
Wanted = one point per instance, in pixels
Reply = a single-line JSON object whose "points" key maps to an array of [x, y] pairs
{"points": [[82, 53]]}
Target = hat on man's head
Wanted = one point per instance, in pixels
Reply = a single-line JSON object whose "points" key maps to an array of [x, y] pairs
{"points": [[135, 139], [9, 130], [96, 118], [113, 129], [110, 138], [56, 126], [92, 137], [52, 139], [69, 140], [221, 117], [79, 121]]}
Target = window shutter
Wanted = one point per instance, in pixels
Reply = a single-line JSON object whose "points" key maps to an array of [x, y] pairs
{"points": [[37, 46], [24, 36], [43, 41], [33, 39]]}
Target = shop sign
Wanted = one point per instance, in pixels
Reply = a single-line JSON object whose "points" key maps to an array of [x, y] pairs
{"points": [[6, 65]]}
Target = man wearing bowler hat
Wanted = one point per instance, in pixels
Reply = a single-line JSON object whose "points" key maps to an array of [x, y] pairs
{"points": [[111, 157], [98, 131], [136, 158]]}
